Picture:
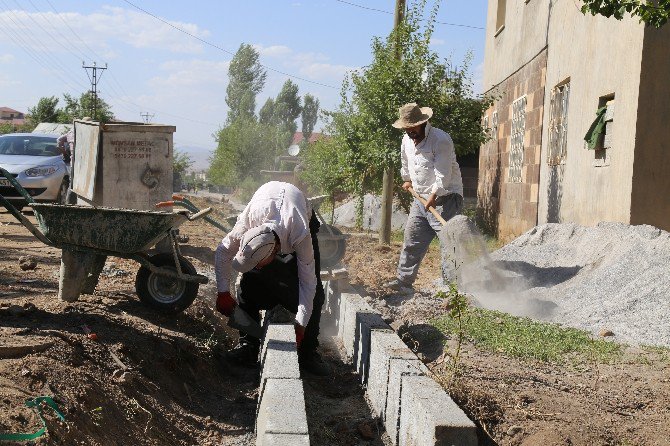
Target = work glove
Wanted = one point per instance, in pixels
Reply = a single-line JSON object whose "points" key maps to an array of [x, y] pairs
{"points": [[225, 303], [299, 333]]}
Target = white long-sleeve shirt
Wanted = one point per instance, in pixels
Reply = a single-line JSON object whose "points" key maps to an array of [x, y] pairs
{"points": [[431, 165], [283, 208]]}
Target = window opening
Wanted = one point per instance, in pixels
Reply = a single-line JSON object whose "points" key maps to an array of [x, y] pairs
{"points": [[518, 132], [558, 124], [500, 18]]}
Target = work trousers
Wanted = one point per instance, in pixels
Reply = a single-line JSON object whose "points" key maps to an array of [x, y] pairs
{"points": [[420, 229], [277, 284]]}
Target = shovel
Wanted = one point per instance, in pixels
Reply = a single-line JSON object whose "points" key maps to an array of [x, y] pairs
{"points": [[492, 269], [431, 208], [240, 320]]}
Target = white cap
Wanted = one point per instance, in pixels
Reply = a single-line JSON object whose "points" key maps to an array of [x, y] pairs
{"points": [[256, 244]]}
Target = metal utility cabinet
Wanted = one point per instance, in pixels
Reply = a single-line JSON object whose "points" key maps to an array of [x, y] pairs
{"points": [[122, 164]]}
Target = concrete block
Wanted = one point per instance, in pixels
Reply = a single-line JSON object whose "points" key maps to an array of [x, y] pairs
{"points": [[279, 337], [357, 318], [279, 356], [398, 368], [429, 417], [350, 304], [283, 440], [366, 322], [384, 345], [281, 409]]}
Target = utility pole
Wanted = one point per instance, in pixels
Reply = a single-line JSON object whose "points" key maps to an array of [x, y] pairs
{"points": [[387, 183], [94, 78], [146, 117]]}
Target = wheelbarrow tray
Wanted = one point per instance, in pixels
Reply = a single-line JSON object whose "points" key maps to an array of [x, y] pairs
{"points": [[124, 231]]}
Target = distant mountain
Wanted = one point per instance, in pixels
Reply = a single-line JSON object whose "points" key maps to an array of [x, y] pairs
{"points": [[199, 155]]}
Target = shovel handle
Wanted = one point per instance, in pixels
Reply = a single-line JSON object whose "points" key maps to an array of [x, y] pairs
{"points": [[200, 214], [430, 208]]}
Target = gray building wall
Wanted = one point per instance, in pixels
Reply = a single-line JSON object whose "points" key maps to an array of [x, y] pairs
{"points": [[600, 57], [651, 170], [521, 40], [514, 66]]}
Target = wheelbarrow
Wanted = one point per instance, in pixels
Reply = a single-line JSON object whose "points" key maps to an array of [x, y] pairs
{"points": [[167, 282]]}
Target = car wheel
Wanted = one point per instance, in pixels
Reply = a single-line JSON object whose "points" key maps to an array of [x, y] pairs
{"points": [[62, 191]]}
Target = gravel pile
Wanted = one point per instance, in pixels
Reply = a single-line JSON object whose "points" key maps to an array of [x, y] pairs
{"points": [[612, 276]]}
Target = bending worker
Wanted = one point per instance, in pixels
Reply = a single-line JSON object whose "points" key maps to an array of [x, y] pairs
{"points": [[274, 246], [429, 166]]}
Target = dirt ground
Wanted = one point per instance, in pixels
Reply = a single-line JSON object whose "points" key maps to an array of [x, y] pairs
{"points": [[145, 379], [517, 402], [157, 380]]}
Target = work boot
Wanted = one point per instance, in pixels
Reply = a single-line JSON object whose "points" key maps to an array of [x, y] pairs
{"points": [[311, 362], [400, 287], [244, 353]]}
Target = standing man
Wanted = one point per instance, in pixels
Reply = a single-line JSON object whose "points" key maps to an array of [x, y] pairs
{"points": [[66, 148], [274, 246], [429, 166]]}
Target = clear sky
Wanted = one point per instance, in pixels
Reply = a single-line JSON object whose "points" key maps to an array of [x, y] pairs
{"points": [[155, 68]]}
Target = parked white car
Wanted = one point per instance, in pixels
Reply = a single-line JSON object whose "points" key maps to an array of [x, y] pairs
{"points": [[36, 163]]}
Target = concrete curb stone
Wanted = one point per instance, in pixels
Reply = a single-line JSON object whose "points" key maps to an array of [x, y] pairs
{"points": [[429, 417]]}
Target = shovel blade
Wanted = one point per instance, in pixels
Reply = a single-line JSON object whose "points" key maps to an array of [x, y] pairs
{"points": [[240, 320]]}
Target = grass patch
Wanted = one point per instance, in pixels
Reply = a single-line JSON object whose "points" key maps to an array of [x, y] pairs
{"points": [[654, 353], [528, 339]]}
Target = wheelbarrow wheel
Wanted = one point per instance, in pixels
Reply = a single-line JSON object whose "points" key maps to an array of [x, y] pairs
{"points": [[166, 294], [331, 249]]}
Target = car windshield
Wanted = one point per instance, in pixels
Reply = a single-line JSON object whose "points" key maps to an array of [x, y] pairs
{"points": [[28, 145]]}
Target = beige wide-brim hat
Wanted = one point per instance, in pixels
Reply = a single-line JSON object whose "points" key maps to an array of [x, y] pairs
{"points": [[412, 115]]}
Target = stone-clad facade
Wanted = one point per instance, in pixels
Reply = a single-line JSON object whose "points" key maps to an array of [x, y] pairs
{"points": [[509, 207], [551, 68]]}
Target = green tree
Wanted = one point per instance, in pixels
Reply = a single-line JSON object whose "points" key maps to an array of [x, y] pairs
{"points": [[287, 109], [403, 69], [310, 113], [654, 13], [46, 110], [247, 78], [242, 151], [77, 108], [9, 127], [180, 162], [266, 113]]}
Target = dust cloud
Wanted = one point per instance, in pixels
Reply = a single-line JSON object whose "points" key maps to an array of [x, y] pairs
{"points": [[466, 260]]}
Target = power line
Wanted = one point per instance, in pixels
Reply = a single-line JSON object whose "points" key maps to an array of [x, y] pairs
{"points": [[388, 12], [224, 50], [121, 91], [26, 46]]}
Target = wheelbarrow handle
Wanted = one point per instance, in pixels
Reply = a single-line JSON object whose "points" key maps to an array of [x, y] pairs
{"points": [[200, 214], [177, 197], [164, 204]]}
